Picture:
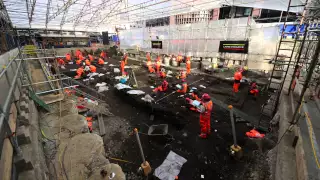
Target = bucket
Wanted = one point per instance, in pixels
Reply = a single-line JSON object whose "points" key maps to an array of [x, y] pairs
{"points": [[174, 62], [167, 61]]}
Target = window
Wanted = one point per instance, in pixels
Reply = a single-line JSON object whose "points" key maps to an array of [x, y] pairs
{"points": [[243, 12], [225, 12]]}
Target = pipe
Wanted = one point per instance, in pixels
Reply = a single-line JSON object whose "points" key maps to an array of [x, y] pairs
{"points": [[308, 78], [233, 126], [140, 146]]}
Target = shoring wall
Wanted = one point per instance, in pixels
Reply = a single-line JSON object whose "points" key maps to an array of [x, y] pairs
{"points": [[202, 40]]}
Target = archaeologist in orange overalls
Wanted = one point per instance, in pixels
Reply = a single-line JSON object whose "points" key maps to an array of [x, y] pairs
{"points": [[237, 79], [125, 58], [122, 64], [179, 59], [253, 89], [103, 55], [162, 88], [158, 64], [162, 73], [61, 62], [68, 57], [195, 95], [91, 58], [78, 62], [184, 87], [205, 115], [183, 75], [78, 52], [150, 68], [81, 57], [93, 69], [89, 121], [87, 62], [148, 57], [80, 72], [101, 61], [188, 65]]}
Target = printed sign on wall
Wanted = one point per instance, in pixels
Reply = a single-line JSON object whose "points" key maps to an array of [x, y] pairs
{"points": [[234, 46], [156, 44]]}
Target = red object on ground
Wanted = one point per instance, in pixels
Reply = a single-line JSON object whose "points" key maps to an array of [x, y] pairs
{"points": [[254, 134], [205, 118]]}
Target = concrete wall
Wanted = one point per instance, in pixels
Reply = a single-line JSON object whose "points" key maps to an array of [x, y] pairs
{"points": [[63, 51]]}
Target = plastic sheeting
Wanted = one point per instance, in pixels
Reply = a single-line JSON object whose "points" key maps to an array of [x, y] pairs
{"points": [[171, 166], [137, 92]]}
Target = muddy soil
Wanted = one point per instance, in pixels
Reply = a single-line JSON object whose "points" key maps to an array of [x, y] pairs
{"points": [[209, 157]]}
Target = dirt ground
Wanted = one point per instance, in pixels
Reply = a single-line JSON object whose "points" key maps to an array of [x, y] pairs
{"points": [[209, 157]]}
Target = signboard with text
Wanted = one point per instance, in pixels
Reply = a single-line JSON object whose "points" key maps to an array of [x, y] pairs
{"points": [[234, 46], [156, 44]]}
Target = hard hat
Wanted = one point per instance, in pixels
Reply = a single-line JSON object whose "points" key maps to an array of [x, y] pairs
{"points": [[205, 96]]}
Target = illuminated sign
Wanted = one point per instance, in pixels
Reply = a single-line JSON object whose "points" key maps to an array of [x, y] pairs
{"points": [[156, 44], [234, 46]]}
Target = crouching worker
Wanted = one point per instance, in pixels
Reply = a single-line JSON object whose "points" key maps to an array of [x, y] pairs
{"points": [[184, 87], [205, 115], [80, 72], [237, 79], [162, 88], [162, 73], [101, 62], [253, 90], [93, 69]]}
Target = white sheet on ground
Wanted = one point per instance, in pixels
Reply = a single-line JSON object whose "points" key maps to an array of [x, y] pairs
{"points": [[70, 62], [105, 62], [116, 70], [126, 67], [137, 92], [196, 103], [171, 166], [103, 88], [122, 86], [101, 74], [111, 65], [147, 98], [101, 84], [73, 69]]}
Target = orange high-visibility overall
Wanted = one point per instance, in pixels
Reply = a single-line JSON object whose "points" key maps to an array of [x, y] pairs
{"points": [[122, 64], [68, 57], [61, 61], [78, 62], [184, 88], [158, 65], [89, 121], [237, 78], [80, 71], [93, 69], [205, 119], [188, 65], [91, 58], [87, 62], [162, 88], [150, 68], [101, 61]]}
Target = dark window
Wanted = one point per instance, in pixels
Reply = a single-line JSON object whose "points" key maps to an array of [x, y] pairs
{"points": [[225, 12], [243, 12]]}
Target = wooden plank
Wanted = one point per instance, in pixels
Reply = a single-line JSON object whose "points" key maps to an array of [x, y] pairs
{"points": [[7, 149]]}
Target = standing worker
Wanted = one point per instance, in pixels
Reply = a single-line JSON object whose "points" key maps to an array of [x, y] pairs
{"points": [[188, 65], [103, 55], [122, 64], [150, 68], [205, 115], [148, 57], [183, 75], [184, 87], [125, 58], [237, 79], [158, 64]]}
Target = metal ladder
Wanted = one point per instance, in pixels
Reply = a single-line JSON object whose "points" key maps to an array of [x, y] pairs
{"points": [[282, 62]]}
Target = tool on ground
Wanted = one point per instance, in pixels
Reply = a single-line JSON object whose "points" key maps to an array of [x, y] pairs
{"points": [[145, 165], [235, 149]]}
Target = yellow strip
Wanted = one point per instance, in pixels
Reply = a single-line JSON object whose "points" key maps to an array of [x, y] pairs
{"points": [[310, 136]]}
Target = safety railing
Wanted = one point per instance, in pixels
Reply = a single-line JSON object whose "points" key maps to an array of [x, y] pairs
{"points": [[10, 78]]}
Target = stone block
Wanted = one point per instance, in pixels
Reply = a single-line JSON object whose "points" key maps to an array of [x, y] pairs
{"points": [[23, 135]]}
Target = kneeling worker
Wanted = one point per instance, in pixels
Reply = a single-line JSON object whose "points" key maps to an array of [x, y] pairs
{"points": [[184, 87], [80, 72], [93, 69], [253, 90], [162, 88], [205, 115]]}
